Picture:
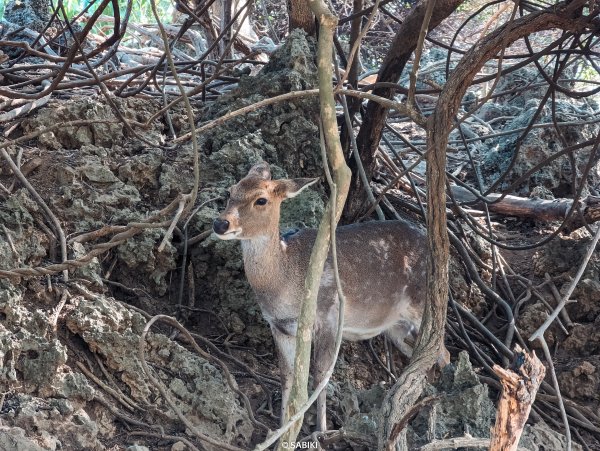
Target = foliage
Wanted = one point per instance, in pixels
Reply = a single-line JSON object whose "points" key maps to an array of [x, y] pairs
{"points": [[141, 11]]}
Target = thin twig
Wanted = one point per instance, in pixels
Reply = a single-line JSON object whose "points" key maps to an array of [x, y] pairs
{"points": [[47, 211], [540, 331], [53, 320]]}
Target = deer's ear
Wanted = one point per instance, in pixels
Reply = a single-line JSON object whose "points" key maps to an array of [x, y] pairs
{"points": [[292, 187], [260, 170]]}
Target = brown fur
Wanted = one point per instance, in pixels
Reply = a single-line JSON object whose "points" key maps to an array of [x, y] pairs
{"points": [[381, 265]]}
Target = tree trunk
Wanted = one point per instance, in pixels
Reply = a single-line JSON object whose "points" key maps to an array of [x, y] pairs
{"points": [[341, 179], [353, 103], [370, 133], [301, 16]]}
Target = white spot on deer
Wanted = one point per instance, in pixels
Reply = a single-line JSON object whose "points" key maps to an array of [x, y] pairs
{"points": [[407, 265], [383, 244], [327, 279]]}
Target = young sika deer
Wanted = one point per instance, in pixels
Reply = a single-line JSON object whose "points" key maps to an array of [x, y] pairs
{"points": [[381, 265]]}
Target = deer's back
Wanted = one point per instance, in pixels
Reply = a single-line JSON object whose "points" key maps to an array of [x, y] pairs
{"points": [[382, 268]]}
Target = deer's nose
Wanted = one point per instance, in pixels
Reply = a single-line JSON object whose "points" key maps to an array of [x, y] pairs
{"points": [[220, 226]]}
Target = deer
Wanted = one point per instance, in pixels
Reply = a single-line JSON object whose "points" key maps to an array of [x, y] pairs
{"points": [[381, 267]]}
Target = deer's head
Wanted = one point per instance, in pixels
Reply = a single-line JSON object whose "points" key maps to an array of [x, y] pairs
{"points": [[254, 203]]}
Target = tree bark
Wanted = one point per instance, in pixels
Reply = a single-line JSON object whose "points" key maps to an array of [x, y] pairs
{"points": [[226, 6], [518, 393], [301, 16], [370, 133]]}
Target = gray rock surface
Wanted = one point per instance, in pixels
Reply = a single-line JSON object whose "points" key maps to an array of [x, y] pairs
{"points": [[58, 405], [555, 176], [466, 407], [540, 437], [32, 14]]}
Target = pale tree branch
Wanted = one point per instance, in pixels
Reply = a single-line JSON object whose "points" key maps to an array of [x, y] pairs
{"points": [[341, 177]]}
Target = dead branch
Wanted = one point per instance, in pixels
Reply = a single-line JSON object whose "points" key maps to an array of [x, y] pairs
{"points": [[539, 333], [413, 411], [461, 442], [131, 230], [126, 402], [228, 377], [519, 387], [24, 109], [592, 247], [53, 320], [174, 438], [255, 106], [119, 414], [47, 211], [163, 391]]}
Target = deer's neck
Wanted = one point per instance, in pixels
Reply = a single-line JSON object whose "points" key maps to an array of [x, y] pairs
{"points": [[264, 262]]}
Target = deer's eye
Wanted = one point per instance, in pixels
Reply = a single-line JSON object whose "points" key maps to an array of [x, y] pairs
{"points": [[261, 201]]}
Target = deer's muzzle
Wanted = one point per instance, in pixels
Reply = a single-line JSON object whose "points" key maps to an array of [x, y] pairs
{"points": [[220, 226]]}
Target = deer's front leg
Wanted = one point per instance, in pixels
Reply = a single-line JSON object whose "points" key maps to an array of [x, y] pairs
{"points": [[286, 350]]}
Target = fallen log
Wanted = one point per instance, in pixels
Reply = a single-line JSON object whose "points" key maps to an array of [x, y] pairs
{"points": [[588, 208]]}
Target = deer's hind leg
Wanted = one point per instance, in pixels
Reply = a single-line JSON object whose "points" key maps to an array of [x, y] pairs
{"points": [[403, 335], [323, 355]]}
